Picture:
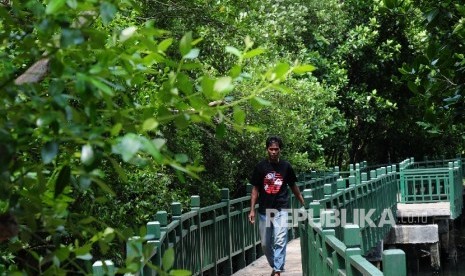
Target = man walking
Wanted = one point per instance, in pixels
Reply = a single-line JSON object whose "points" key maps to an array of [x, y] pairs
{"points": [[270, 180]]}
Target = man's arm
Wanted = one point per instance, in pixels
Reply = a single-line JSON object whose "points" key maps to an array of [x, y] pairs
{"points": [[295, 190], [253, 201]]}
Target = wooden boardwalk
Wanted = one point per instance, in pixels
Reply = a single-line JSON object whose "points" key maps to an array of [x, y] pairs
{"points": [[260, 267]]}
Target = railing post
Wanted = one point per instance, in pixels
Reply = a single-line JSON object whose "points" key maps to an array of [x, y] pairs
{"points": [[195, 206], [308, 197], [352, 180], [394, 263], [225, 198], [328, 223], [352, 240], [451, 189], [364, 177], [336, 171], [341, 184], [100, 269], [154, 231], [176, 212]]}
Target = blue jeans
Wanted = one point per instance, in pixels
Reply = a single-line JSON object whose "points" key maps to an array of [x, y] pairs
{"points": [[273, 234]]}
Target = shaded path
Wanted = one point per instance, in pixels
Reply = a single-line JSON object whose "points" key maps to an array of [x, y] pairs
{"points": [[260, 266]]}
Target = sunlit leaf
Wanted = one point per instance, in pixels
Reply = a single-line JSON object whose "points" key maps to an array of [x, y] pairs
{"points": [[150, 124], [87, 155], [168, 259], [303, 69], [223, 85], [127, 146], [185, 45], [127, 33], [180, 272], [165, 44], [233, 50], [193, 53], [254, 52], [54, 6]]}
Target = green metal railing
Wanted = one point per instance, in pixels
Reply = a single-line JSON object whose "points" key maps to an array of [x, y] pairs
{"points": [[432, 181], [325, 254], [336, 249], [211, 240]]}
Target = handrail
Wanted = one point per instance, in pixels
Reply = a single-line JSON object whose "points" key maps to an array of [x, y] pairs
{"points": [[433, 181], [218, 239]]}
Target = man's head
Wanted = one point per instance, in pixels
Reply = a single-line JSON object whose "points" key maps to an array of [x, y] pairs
{"points": [[274, 144]]}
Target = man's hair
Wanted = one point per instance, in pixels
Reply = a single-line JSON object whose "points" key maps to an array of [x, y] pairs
{"points": [[274, 139]]}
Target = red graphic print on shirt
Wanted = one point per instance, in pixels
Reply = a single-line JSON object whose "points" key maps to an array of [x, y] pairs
{"points": [[272, 183]]}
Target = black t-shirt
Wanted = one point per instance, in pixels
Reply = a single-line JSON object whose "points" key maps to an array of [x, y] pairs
{"points": [[272, 180]]}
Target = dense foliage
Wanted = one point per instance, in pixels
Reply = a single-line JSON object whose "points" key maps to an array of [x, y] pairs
{"points": [[111, 110]]}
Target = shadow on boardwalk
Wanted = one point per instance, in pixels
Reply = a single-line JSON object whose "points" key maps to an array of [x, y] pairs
{"points": [[260, 266]]}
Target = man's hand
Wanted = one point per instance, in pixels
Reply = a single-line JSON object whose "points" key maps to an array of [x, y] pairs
{"points": [[252, 216]]}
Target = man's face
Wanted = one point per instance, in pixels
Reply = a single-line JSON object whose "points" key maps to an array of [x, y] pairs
{"points": [[273, 152]]}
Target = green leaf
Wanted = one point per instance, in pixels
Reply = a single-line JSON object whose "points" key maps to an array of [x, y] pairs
{"points": [[127, 33], [207, 88], [181, 121], [431, 15], [235, 71], [85, 257], [104, 187], [390, 4], [62, 253], [168, 259], [62, 180], [87, 155], [49, 152], [180, 272], [150, 124], [220, 130], [72, 4], [185, 45], [258, 102], [223, 85], [184, 83], [193, 53], [181, 158], [54, 6], [121, 173], [107, 12], [280, 71], [254, 52], [233, 50], [412, 86], [282, 88], [239, 116], [165, 44], [127, 146], [101, 85], [159, 143], [152, 149], [70, 37], [303, 69]]}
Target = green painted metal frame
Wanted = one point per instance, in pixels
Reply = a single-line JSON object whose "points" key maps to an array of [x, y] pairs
{"points": [[211, 240], [432, 181], [339, 249]]}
